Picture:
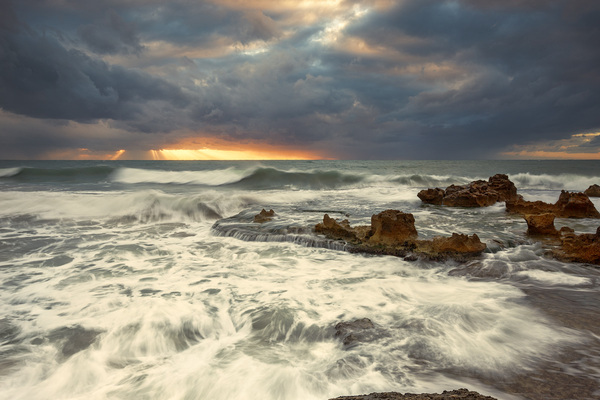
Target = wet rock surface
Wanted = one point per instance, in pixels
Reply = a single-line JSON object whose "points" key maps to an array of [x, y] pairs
{"points": [[476, 194], [393, 232], [355, 332], [264, 216], [445, 395], [541, 224], [568, 205], [593, 191], [583, 248]]}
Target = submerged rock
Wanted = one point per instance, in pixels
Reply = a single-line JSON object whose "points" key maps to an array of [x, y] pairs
{"points": [[476, 194], [464, 394], [264, 216], [593, 191], [393, 232], [568, 205], [351, 333]]}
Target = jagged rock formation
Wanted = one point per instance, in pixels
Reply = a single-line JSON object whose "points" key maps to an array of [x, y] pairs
{"points": [[464, 394], [393, 232], [476, 194], [593, 191], [569, 205], [583, 248], [264, 216], [540, 224]]}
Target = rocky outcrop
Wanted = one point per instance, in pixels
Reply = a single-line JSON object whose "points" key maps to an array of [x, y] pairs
{"points": [[264, 216], [476, 194], [583, 248], [593, 191], [464, 394], [569, 205], [392, 228], [541, 224], [393, 232]]}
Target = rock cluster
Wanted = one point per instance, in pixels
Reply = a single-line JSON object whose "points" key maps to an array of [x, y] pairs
{"points": [[584, 248], [464, 394], [393, 232], [569, 205], [476, 194]]}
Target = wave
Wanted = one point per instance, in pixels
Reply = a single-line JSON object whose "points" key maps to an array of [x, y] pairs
{"points": [[78, 174], [122, 208], [208, 177], [554, 182]]}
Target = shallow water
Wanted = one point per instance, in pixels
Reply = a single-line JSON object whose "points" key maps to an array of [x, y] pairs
{"points": [[149, 280]]}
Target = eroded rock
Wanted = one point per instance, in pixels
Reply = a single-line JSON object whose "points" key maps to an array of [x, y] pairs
{"points": [[393, 232], [541, 224], [351, 333], [593, 191], [464, 394], [568, 205], [476, 194], [264, 216], [583, 248]]}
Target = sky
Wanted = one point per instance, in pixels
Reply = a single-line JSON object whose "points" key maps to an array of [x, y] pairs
{"points": [[302, 79]]}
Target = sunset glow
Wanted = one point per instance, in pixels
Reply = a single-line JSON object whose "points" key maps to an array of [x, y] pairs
{"points": [[217, 154]]}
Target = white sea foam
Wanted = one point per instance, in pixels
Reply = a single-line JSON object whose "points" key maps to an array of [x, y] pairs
{"points": [[556, 182], [554, 278]]}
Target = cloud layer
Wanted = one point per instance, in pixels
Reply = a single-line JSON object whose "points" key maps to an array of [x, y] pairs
{"points": [[346, 79]]}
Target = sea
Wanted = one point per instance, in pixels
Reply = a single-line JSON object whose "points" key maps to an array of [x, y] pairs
{"points": [[150, 280]]}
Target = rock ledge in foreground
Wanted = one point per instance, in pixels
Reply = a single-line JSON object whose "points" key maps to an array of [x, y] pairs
{"points": [[445, 395]]}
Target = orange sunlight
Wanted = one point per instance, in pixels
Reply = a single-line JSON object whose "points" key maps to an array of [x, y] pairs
{"points": [[216, 154], [556, 155]]}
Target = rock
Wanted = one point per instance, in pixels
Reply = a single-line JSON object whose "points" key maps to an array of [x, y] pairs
{"points": [[264, 216], [593, 191], [351, 333], [392, 227], [583, 248], [340, 230], [475, 194], [575, 205], [541, 224], [455, 244], [393, 232], [458, 394], [432, 196], [569, 205]]}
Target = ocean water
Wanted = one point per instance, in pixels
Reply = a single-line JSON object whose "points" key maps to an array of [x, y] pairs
{"points": [[149, 280]]}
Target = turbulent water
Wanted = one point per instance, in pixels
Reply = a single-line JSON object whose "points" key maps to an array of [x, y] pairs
{"points": [[149, 280]]}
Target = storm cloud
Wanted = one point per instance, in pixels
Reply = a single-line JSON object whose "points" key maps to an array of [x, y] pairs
{"points": [[351, 79]]}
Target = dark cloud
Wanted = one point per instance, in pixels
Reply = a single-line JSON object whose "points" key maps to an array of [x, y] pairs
{"points": [[422, 79], [111, 35], [41, 78]]}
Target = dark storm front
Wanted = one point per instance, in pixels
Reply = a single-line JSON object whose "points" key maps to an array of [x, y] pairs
{"points": [[116, 284]]}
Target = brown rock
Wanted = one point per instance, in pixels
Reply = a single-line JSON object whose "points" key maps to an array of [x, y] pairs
{"points": [[575, 205], [541, 224], [264, 216], [455, 244], [475, 194], [432, 196], [593, 191], [583, 248], [393, 232], [458, 394], [392, 227], [569, 205]]}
